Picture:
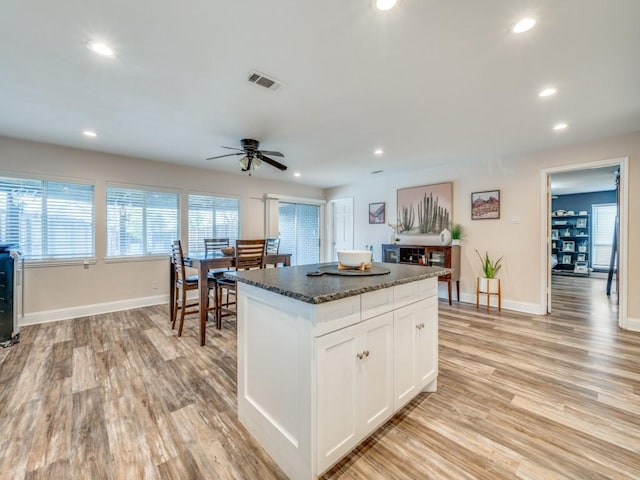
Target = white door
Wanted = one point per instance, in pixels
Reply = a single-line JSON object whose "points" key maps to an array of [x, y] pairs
{"points": [[342, 227]]}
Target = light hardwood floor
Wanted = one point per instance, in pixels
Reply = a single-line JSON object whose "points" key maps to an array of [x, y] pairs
{"points": [[119, 396]]}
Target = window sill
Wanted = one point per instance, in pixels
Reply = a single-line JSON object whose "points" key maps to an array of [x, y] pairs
{"points": [[136, 258], [59, 263]]}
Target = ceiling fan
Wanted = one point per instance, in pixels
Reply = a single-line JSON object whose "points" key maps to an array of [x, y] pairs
{"points": [[253, 156]]}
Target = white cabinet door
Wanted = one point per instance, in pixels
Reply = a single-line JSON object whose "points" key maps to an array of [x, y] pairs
{"points": [[415, 331], [427, 343], [355, 385], [337, 385], [376, 372]]}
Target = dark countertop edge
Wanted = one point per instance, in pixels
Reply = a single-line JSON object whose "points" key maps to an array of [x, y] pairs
{"points": [[338, 295]]}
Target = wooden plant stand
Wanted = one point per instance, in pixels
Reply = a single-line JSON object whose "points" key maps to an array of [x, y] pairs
{"points": [[488, 293]]}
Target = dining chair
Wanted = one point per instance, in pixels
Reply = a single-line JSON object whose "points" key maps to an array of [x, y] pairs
{"points": [[212, 245], [271, 247], [183, 284], [249, 256]]}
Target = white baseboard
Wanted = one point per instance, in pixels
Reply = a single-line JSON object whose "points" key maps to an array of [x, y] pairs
{"points": [[521, 307], [87, 310], [632, 324]]}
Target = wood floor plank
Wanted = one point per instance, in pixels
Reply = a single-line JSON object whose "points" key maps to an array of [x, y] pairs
{"points": [[519, 396]]}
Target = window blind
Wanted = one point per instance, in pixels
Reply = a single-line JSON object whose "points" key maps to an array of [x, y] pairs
{"points": [[46, 219], [140, 222], [604, 221], [212, 217]]}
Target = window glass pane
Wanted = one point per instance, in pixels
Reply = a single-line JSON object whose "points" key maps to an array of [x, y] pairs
{"points": [[299, 226], [140, 222], [212, 217], [47, 220], [604, 221]]}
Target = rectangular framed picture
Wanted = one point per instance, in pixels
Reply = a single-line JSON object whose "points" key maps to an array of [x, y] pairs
{"points": [[581, 257], [425, 210], [569, 246], [376, 212], [485, 205], [554, 235], [566, 259], [581, 223]]}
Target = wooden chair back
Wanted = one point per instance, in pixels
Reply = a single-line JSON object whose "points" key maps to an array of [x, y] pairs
{"points": [[249, 254], [272, 245], [178, 260], [214, 244]]}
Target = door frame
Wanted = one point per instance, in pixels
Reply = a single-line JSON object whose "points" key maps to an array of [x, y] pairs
{"points": [[623, 213]]}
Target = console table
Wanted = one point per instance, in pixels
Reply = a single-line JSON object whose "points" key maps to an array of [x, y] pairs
{"points": [[447, 256]]}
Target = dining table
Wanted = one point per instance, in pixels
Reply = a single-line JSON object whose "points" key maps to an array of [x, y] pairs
{"points": [[203, 262]]}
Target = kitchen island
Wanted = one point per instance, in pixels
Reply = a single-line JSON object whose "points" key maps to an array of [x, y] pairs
{"points": [[324, 360]]}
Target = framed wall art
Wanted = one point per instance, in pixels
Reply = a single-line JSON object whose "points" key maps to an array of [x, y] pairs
{"points": [[485, 205], [376, 212], [425, 210]]}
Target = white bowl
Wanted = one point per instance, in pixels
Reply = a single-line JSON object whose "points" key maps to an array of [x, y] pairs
{"points": [[354, 258]]}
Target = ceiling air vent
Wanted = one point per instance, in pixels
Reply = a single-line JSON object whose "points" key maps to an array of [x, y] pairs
{"points": [[264, 81]]}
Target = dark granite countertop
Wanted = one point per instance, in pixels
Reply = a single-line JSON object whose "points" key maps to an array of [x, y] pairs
{"points": [[295, 283]]}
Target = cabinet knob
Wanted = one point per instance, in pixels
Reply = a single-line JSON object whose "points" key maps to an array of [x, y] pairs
{"points": [[366, 353], [360, 356]]}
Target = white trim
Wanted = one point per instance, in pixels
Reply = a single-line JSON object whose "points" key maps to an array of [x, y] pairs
{"points": [[87, 310], [290, 199], [633, 324], [522, 307], [35, 263], [623, 254], [142, 187], [137, 258]]}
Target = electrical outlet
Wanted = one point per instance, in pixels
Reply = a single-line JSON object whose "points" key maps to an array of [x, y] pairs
{"points": [[154, 284]]}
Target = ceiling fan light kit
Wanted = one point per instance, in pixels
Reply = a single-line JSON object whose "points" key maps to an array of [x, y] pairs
{"points": [[253, 156]]}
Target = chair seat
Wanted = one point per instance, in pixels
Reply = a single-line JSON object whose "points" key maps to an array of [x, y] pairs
{"points": [[190, 280], [215, 274], [223, 281]]}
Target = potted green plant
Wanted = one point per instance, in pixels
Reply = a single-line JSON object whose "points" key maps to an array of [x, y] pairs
{"points": [[457, 232], [490, 268]]}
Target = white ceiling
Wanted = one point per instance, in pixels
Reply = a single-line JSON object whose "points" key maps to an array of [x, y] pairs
{"points": [[584, 181], [431, 82]]}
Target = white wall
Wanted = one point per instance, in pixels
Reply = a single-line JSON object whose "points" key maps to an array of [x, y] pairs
{"points": [[519, 181], [67, 291]]}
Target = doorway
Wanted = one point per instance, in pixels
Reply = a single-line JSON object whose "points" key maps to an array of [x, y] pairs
{"points": [[585, 204], [341, 237], [299, 226]]}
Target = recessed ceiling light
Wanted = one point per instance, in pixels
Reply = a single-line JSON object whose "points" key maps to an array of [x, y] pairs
{"points": [[100, 48], [524, 25], [378, 151], [547, 92], [385, 4], [89, 133], [296, 174], [560, 126]]}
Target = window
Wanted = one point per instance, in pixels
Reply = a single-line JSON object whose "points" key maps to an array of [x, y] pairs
{"points": [[299, 227], [140, 222], [604, 221], [47, 220], [212, 217]]}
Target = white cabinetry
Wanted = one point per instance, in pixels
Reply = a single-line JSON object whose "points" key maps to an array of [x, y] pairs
{"points": [[355, 385], [415, 345], [315, 380]]}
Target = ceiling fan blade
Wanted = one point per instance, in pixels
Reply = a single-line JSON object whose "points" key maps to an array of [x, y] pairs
{"points": [[233, 148], [271, 161], [227, 155], [273, 154]]}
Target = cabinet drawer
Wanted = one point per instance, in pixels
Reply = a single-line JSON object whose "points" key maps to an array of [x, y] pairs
{"points": [[338, 314], [405, 294], [376, 302], [428, 287]]}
